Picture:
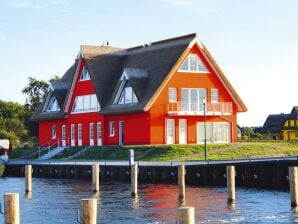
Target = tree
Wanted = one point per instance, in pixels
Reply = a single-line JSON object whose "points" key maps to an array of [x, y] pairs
{"points": [[35, 93], [13, 126]]}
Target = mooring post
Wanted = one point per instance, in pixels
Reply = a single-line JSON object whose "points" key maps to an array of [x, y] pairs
{"points": [[95, 177], [186, 215], [12, 208], [28, 178], [293, 178], [88, 211], [231, 184], [181, 182], [134, 180]]}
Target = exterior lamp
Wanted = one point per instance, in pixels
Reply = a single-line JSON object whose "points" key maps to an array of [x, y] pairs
{"points": [[205, 130]]}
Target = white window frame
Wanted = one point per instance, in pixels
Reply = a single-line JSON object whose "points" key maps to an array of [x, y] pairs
{"points": [[84, 98], [80, 134], [172, 94], [54, 132], [214, 93], [91, 131], [99, 133], [72, 135], [188, 59], [111, 128]]}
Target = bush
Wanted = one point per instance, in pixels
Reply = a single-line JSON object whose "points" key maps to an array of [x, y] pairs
{"points": [[11, 136]]}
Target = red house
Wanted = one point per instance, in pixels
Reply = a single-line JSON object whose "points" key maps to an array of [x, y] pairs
{"points": [[158, 93]]}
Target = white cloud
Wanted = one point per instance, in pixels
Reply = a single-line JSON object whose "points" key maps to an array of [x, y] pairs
{"points": [[37, 3], [28, 4], [63, 24], [195, 6], [2, 36]]}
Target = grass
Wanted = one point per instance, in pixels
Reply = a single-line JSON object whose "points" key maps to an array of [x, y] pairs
{"points": [[71, 151], [144, 153], [256, 150], [28, 153], [173, 152]]}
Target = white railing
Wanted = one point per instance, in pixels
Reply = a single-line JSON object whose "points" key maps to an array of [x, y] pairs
{"points": [[182, 108]]}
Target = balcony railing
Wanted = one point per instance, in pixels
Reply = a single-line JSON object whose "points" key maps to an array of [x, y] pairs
{"points": [[181, 108]]}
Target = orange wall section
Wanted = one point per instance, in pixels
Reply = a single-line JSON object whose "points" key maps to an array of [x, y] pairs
{"points": [[158, 110]]}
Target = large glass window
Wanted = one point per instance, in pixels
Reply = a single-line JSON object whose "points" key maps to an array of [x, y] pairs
{"points": [[85, 74], [193, 63], [86, 103], [192, 99]]}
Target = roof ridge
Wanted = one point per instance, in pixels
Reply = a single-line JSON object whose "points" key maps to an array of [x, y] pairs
{"points": [[164, 41]]}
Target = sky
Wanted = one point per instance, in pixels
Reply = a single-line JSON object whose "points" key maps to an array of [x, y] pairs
{"points": [[254, 42]]}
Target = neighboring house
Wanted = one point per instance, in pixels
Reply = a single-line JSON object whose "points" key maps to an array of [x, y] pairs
{"points": [[281, 126], [158, 93]]}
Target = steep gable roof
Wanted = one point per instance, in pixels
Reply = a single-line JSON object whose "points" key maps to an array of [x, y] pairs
{"points": [[148, 68]]}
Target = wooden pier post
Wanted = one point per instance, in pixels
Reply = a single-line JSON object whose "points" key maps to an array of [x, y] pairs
{"points": [[181, 182], [12, 208], [95, 177], [231, 184], [28, 178], [293, 178], [88, 211], [134, 180], [186, 215]]}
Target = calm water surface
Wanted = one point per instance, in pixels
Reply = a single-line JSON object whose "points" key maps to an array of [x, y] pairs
{"points": [[57, 201]]}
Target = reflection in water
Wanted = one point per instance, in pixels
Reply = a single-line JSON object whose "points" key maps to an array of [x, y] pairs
{"points": [[57, 201]]}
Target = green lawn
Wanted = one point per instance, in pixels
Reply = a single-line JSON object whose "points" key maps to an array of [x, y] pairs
{"points": [[144, 153], [172, 152], [255, 150], [68, 152], [28, 153]]}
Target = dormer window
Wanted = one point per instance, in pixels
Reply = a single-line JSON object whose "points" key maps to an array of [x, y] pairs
{"points": [[85, 103], [53, 105], [127, 96], [85, 74], [193, 63]]}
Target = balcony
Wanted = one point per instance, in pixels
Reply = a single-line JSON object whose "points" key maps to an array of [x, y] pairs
{"points": [[193, 109]]}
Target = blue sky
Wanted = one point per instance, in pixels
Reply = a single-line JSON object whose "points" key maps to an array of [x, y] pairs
{"points": [[254, 42]]}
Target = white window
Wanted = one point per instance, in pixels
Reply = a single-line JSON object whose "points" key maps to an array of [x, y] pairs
{"points": [[72, 132], [214, 95], [127, 96], [86, 103], [53, 131], [63, 130], [80, 134], [98, 130], [193, 63], [85, 74], [91, 131], [112, 128], [53, 104], [192, 99], [172, 94]]}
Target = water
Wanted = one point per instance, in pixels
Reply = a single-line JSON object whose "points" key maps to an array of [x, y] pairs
{"points": [[57, 201]]}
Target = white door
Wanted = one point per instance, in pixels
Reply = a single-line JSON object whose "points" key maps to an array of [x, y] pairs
{"points": [[121, 132], [182, 131], [99, 138], [201, 132], [79, 134], [72, 135], [170, 123], [63, 135], [91, 134]]}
